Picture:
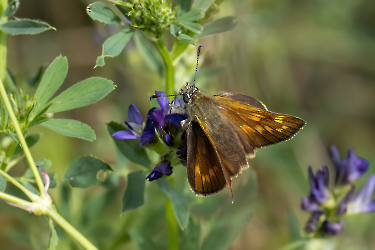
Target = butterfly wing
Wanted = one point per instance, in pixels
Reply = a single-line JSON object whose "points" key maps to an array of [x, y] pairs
{"points": [[204, 171], [244, 99], [258, 127], [221, 134]]}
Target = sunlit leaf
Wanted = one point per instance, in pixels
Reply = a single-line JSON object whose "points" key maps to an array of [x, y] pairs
{"points": [[149, 52], [176, 31], [129, 148], [114, 45], [25, 27], [193, 15], [195, 27], [82, 94], [83, 171], [218, 26], [53, 236], [102, 13], [30, 141], [202, 5], [134, 192], [184, 6], [71, 128], [179, 202], [3, 183], [50, 83], [142, 241]]}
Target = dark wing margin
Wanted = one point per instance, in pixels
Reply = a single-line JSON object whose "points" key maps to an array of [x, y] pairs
{"points": [[204, 171], [245, 99]]}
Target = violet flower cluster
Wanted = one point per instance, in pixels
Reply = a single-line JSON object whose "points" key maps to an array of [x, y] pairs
{"points": [[162, 132], [328, 205]]}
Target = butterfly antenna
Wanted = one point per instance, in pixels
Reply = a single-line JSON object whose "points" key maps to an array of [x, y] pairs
{"points": [[156, 96], [196, 67]]}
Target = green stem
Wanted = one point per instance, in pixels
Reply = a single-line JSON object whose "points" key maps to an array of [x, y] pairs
{"points": [[26, 149], [14, 199], [3, 42], [28, 193], [70, 229], [169, 68], [172, 227], [9, 154]]}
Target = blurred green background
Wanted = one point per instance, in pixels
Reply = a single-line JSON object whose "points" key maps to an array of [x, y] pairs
{"points": [[312, 59]]}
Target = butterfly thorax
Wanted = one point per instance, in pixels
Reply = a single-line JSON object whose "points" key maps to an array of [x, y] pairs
{"points": [[187, 91]]}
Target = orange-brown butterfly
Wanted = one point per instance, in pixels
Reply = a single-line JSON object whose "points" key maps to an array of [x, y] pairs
{"points": [[223, 132]]}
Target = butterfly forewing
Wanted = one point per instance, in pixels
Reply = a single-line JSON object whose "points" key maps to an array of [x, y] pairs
{"points": [[261, 127]]}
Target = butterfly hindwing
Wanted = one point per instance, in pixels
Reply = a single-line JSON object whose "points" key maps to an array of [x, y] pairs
{"points": [[204, 171]]}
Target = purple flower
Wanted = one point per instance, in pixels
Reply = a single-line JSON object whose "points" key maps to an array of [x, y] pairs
{"points": [[362, 202], [163, 168], [134, 125], [318, 190], [332, 228], [348, 169], [314, 219], [163, 101]]}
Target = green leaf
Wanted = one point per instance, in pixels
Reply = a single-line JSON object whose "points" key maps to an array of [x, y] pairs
{"points": [[135, 190], [71, 128], [25, 27], [195, 27], [193, 15], [30, 187], [33, 81], [30, 141], [101, 12], [230, 220], [83, 172], [179, 202], [149, 52], [53, 236], [129, 148], [3, 183], [52, 181], [39, 120], [202, 5], [184, 6], [12, 8], [190, 237], [4, 114], [218, 26], [176, 31], [114, 45], [142, 241], [50, 83], [82, 94], [43, 163]]}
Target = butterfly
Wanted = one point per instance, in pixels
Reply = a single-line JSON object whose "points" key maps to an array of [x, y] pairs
{"points": [[223, 132]]}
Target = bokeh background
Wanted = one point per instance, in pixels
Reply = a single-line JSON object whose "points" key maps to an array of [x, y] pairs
{"points": [[312, 59]]}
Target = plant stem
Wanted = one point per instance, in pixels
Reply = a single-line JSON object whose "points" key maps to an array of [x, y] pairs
{"points": [[3, 42], [169, 68], [28, 193], [25, 148], [70, 229], [172, 227], [13, 199]]}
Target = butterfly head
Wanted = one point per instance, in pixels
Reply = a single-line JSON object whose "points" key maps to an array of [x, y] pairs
{"points": [[187, 91]]}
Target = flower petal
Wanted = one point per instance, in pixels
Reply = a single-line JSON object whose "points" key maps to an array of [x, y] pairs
{"points": [[332, 228], [135, 128], [357, 166], [134, 115], [149, 131], [158, 118], [176, 118], [163, 168], [124, 135], [163, 101], [311, 223], [168, 139], [362, 203]]}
